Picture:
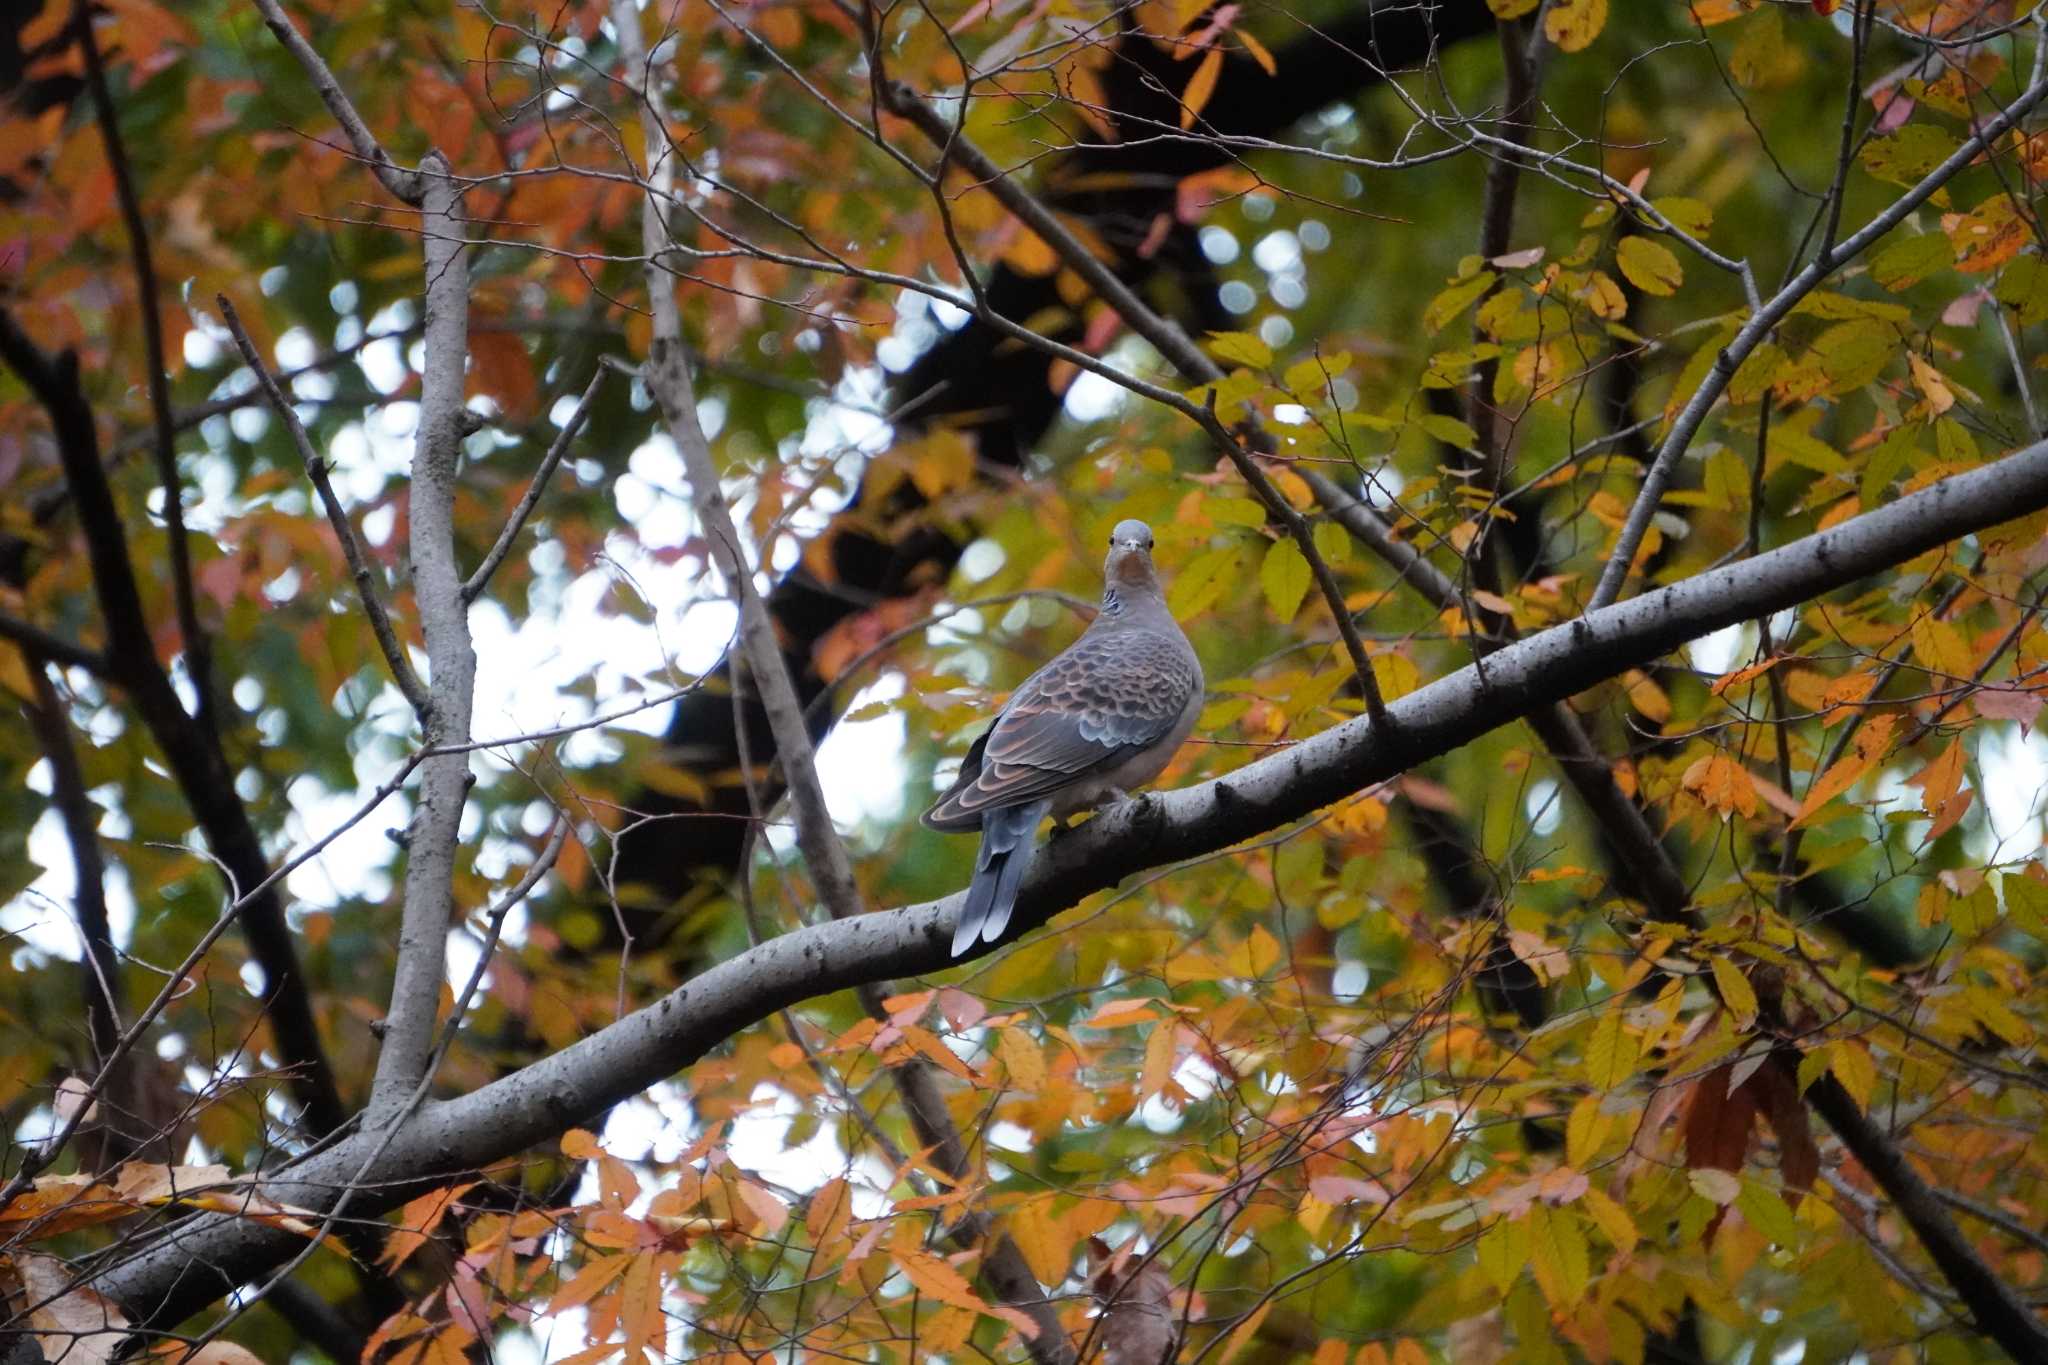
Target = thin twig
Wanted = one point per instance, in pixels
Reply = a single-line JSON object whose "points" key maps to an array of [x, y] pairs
{"points": [[510, 533], [198, 652], [403, 184], [345, 534]]}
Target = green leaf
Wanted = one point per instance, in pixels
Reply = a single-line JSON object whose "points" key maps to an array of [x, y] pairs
{"points": [[1455, 300], [1649, 265], [1902, 158], [1954, 443], [1884, 463], [1285, 577], [1235, 512], [1912, 259], [1766, 1211], [1450, 431], [1241, 348], [1198, 585], [1691, 215], [2023, 287], [1333, 542], [1788, 443], [1812, 1067], [1503, 1250], [1852, 354], [2026, 902]]}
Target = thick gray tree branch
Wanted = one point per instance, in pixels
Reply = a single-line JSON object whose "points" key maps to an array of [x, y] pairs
{"points": [[205, 1257], [451, 660]]}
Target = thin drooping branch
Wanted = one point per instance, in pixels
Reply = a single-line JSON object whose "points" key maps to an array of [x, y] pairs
{"points": [[432, 837], [406, 186], [198, 652], [197, 763], [517, 521], [667, 376], [1166, 337], [337, 517], [208, 1256], [1775, 309]]}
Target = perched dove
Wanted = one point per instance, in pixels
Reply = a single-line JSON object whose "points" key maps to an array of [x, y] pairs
{"points": [[1101, 718]]}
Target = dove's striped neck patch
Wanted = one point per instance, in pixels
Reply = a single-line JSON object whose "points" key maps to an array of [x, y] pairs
{"points": [[1112, 604]]}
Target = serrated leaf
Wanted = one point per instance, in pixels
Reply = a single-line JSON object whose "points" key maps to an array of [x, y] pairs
{"points": [[1910, 260], [1649, 265], [1455, 300], [1610, 1050], [1240, 348], [1450, 430], [2022, 286], [1285, 577], [1333, 542], [1735, 991], [1503, 1250]]}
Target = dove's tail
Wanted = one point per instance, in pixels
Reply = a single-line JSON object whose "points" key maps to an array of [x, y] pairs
{"points": [[998, 872]]}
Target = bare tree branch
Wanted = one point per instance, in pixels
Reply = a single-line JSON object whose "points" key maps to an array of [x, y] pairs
{"points": [[337, 518], [407, 186], [472, 589], [667, 376], [198, 653], [451, 659], [196, 761]]}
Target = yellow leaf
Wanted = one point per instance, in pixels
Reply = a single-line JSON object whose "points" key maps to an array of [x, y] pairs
{"points": [[1932, 384], [1201, 85], [14, 672], [1611, 1051], [1159, 1059], [1572, 24], [1044, 1240], [1022, 1059], [1285, 577], [1503, 1251], [1557, 1253], [1854, 1068], [1939, 647], [1584, 1131], [1611, 1218], [1649, 265], [1735, 991]]}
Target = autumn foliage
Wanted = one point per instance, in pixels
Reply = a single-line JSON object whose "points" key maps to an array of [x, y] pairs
{"points": [[427, 941]]}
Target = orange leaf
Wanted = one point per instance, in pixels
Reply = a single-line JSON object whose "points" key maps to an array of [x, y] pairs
{"points": [[1201, 85]]}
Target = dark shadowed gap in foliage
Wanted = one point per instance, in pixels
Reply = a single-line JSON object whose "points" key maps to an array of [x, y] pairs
{"points": [[996, 392]]}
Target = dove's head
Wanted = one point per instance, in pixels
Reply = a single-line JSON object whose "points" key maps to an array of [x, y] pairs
{"points": [[1129, 566]]}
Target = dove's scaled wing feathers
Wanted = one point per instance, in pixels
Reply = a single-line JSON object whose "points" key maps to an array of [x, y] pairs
{"points": [[1109, 698]]}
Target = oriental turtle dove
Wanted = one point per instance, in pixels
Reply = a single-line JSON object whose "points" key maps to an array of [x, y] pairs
{"points": [[1104, 716]]}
